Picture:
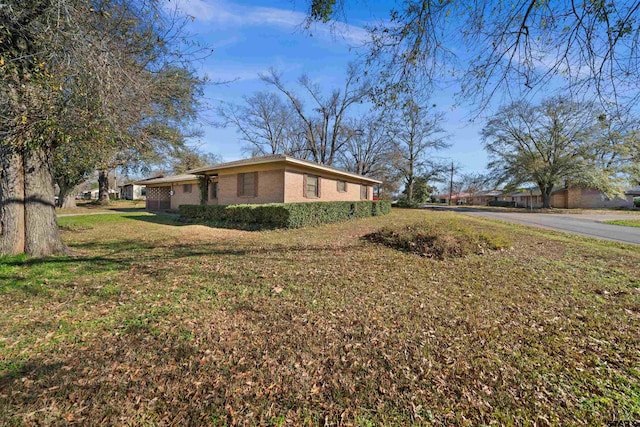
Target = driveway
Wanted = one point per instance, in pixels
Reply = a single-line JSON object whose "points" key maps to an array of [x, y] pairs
{"points": [[586, 224]]}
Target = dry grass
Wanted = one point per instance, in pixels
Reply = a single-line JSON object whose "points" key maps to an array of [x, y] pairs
{"points": [[441, 240], [157, 323], [91, 207]]}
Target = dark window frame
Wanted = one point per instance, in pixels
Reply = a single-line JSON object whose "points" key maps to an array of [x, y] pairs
{"points": [[242, 187], [364, 191], [187, 188], [213, 190], [305, 189]]}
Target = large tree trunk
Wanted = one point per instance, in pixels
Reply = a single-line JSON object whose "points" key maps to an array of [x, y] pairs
{"points": [[103, 187], [546, 195], [42, 235], [27, 211], [12, 231], [68, 201]]}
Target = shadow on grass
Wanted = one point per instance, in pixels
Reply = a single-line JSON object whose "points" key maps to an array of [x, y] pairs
{"points": [[167, 218], [134, 209]]}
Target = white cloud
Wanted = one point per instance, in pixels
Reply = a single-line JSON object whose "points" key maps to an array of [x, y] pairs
{"points": [[224, 14], [235, 73]]}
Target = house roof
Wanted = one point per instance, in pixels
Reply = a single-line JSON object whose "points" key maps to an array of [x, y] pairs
{"points": [[167, 179], [454, 195], [635, 191], [488, 193], [526, 192], [280, 158]]}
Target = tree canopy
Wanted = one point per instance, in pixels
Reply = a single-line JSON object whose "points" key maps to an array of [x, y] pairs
{"points": [[516, 47], [555, 143], [113, 73]]}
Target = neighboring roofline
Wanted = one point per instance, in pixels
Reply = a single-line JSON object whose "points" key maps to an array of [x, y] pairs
{"points": [[632, 191], [167, 179], [276, 159]]}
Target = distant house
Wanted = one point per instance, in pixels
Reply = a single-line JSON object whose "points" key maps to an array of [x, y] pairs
{"points": [[525, 198], [483, 198], [633, 192], [456, 198], [268, 179], [93, 194], [588, 198], [133, 191]]}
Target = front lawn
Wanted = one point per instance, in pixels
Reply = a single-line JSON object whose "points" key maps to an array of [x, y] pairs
{"points": [[626, 222], [159, 323]]}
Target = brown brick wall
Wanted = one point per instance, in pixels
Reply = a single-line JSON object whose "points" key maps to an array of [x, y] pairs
{"points": [[181, 198], [576, 198], [559, 199], [294, 188], [270, 188], [588, 198]]}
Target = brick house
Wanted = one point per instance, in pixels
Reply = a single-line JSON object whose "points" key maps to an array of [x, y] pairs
{"points": [[588, 198], [268, 179], [169, 192], [525, 198]]}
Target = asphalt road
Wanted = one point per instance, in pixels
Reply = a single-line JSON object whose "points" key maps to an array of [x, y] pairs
{"points": [[586, 224]]}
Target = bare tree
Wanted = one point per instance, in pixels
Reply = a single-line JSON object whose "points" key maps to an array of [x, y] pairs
{"points": [[515, 47], [369, 150], [418, 133], [263, 121], [323, 127]]}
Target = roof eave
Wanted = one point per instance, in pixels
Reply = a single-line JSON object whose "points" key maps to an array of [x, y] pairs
{"points": [[284, 159]]}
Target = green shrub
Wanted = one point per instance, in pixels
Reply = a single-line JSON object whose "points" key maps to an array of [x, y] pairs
{"points": [[284, 215], [192, 211], [502, 203], [636, 202]]}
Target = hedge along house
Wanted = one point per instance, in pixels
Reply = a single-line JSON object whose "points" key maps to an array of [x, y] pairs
{"points": [[168, 193], [280, 179]]}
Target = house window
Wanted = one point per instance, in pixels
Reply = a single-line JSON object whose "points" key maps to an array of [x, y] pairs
{"points": [[248, 184], [213, 188], [186, 188], [342, 186], [363, 192], [143, 191], [311, 186]]}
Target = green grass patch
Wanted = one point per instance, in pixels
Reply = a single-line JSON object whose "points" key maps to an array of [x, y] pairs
{"points": [[625, 222]]}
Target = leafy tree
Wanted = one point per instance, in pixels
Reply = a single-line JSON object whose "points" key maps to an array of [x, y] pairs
{"points": [[548, 144], [67, 66], [187, 158], [422, 190], [616, 148], [416, 135], [73, 163], [166, 103]]}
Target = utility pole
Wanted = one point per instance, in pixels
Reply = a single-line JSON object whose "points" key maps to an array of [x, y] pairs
{"points": [[451, 184]]}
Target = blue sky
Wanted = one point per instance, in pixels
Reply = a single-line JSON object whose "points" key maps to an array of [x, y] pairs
{"points": [[249, 37]]}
